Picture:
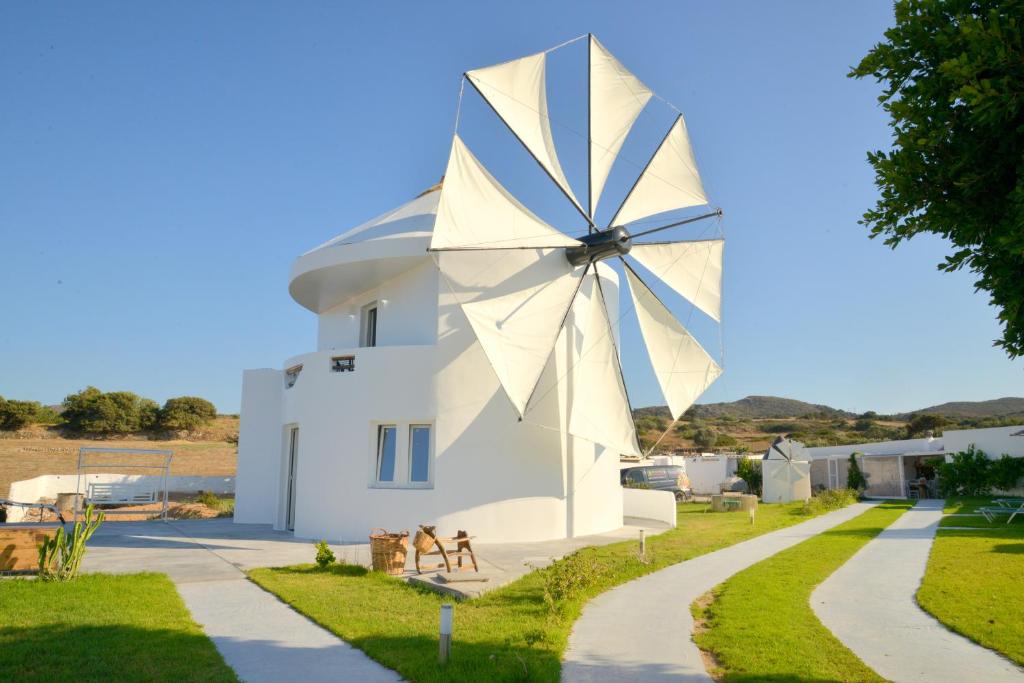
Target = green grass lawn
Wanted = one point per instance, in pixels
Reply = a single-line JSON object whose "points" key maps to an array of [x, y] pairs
{"points": [[101, 627], [968, 506], [973, 585], [510, 633], [760, 625]]}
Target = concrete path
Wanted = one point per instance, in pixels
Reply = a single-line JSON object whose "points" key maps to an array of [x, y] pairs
{"points": [[869, 604], [642, 630], [259, 636]]}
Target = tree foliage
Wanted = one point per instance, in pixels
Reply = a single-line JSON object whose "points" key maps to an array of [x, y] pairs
{"points": [[117, 412], [925, 422], [855, 478], [968, 474], [186, 412], [953, 76], [16, 414], [749, 470]]}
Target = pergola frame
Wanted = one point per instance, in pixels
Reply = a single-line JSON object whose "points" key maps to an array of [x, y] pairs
{"points": [[162, 463]]}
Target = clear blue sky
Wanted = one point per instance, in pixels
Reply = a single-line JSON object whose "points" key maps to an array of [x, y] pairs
{"points": [[162, 164]]}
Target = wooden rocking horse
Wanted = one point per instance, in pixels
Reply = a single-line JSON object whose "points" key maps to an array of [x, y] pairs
{"points": [[427, 538]]}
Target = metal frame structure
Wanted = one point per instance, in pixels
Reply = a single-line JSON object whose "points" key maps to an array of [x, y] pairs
{"points": [[165, 467]]}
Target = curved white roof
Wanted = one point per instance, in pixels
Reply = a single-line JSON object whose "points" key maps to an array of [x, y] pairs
{"points": [[365, 256]]}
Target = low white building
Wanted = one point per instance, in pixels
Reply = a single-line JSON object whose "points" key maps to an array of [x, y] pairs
{"points": [[397, 419], [891, 466]]}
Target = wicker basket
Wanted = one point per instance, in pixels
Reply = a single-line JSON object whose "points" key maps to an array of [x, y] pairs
{"points": [[387, 550], [423, 541]]}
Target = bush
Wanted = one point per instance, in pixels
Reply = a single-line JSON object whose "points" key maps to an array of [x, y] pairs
{"points": [[966, 475], [725, 441], [780, 427], [855, 478], [118, 412], [16, 414], [705, 438], [750, 471], [1006, 472], [566, 580], [324, 555], [919, 424], [186, 413], [830, 499]]}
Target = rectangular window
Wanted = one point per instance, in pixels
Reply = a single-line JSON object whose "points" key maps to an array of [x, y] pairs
{"points": [[343, 364], [368, 325], [419, 453], [386, 441]]}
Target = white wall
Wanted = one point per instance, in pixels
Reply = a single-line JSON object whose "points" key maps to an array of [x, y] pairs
{"points": [[648, 504], [259, 446], [878, 448], [706, 473], [47, 486], [406, 313], [993, 441]]}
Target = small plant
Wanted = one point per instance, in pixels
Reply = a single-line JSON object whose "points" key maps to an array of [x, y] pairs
{"points": [[60, 557], [324, 555], [855, 478], [566, 579], [830, 499]]}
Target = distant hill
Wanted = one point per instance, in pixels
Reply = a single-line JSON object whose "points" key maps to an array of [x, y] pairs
{"points": [[997, 407], [754, 407]]}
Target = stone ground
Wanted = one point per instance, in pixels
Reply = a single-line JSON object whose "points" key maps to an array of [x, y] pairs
{"points": [[260, 637], [869, 604]]}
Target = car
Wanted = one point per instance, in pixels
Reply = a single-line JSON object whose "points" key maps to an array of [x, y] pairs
{"points": [[660, 478]]}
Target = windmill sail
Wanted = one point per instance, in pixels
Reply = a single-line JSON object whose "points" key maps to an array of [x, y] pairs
{"points": [[683, 368], [516, 90], [600, 405], [515, 302], [693, 269], [616, 99], [476, 212], [670, 181]]}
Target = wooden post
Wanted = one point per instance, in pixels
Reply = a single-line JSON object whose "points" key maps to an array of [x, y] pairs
{"points": [[445, 641], [643, 544]]}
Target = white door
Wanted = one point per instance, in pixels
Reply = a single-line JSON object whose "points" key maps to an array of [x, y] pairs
{"points": [[293, 456], [833, 473]]}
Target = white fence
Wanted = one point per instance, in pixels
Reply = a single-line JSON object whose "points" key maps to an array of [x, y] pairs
{"points": [[48, 486], [649, 504]]}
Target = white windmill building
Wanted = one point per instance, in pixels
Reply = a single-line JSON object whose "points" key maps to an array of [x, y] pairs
{"points": [[467, 371]]}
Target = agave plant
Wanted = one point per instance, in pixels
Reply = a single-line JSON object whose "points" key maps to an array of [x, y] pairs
{"points": [[60, 557]]}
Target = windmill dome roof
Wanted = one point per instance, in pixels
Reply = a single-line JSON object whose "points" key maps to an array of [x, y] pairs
{"points": [[367, 255]]}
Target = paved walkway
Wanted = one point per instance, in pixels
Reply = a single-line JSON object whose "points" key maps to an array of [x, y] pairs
{"points": [[260, 637], [869, 604], [641, 630]]}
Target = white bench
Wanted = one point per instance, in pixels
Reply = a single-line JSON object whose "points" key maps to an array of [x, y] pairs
{"points": [[119, 494]]}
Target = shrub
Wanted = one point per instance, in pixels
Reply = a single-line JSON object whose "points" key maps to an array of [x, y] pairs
{"points": [[705, 438], [855, 478], [725, 440], [780, 427], [830, 499], [16, 414], [864, 424], [118, 412], [1006, 472], [324, 555], [966, 475], [919, 424], [566, 579], [187, 413], [750, 471]]}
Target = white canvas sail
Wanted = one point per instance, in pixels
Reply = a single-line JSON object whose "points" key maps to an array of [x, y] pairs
{"points": [[683, 368], [693, 269], [600, 407], [476, 212], [669, 182], [517, 92], [616, 99], [515, 302]]}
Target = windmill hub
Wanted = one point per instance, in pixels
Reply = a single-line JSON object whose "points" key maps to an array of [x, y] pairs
{"points": [[600, 245]]}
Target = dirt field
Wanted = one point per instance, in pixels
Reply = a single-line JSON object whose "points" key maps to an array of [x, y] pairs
{"points": [[40, 450]]}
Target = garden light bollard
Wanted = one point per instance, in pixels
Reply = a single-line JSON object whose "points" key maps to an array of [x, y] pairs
{"points": [[752, 512], [643, 543], [445, 642]]}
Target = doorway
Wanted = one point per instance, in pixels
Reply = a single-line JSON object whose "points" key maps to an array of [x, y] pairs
{"points": [[293, 456]]}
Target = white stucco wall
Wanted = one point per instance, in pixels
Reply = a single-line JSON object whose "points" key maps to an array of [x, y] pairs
{"points": [[259, 446], [993, 441], [47, 486], [706, 473], [648, 504]]}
